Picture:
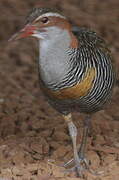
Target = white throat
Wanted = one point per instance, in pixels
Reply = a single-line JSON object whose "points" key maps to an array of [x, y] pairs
{"points": [[54, 59]]}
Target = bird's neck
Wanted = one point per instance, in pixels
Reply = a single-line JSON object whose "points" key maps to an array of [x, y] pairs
{"points": [[56, 60]]}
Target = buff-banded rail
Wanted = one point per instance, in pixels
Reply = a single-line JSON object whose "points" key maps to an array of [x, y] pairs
{"points": [[75, 71]]}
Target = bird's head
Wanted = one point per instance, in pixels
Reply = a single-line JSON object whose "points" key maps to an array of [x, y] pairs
{"points": [[43, 23]]}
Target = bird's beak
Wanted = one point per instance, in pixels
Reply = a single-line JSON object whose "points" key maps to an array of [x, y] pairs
{"points": [[28, 30]]}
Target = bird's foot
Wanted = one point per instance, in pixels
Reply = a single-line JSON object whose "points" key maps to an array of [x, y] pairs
{"points": [[79, 167]]}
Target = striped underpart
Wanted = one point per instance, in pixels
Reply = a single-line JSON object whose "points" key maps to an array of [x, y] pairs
{"points": [[90, 54], [103, 82]]}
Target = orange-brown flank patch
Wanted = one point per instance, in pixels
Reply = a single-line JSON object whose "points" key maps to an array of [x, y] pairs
{"points": [[75, 92]]}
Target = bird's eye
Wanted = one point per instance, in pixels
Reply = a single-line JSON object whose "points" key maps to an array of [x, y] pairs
{"points": [[44, 20]]}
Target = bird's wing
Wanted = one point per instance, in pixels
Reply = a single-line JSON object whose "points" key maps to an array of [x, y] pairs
{"points": [[88, 38]]}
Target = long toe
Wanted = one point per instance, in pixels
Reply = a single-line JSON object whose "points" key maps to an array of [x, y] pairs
{"points": [[69, 163], [80, 166], [77, 168]]}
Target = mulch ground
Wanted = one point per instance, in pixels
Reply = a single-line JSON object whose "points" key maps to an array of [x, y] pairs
{"points": [[31, 132]]}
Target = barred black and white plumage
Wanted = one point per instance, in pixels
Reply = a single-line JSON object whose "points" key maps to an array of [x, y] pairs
{"points": [[96, 55], [92, 53]]}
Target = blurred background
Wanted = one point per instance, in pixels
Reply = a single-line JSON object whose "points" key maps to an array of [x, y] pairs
{"points": [[30, 130]]}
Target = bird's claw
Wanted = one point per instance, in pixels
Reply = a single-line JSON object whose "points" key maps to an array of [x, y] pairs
{"points": [[79, 167]]}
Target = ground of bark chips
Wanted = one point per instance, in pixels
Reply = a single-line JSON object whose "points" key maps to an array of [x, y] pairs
{"points": [[31, 132]]}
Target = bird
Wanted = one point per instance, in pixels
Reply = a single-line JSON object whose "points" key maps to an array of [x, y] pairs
{"points": [[76, 72]]}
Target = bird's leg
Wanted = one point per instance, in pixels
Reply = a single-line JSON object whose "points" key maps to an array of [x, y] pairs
{"points": [[81, 151], [82, 148], [79, 156], [73, 134]]}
